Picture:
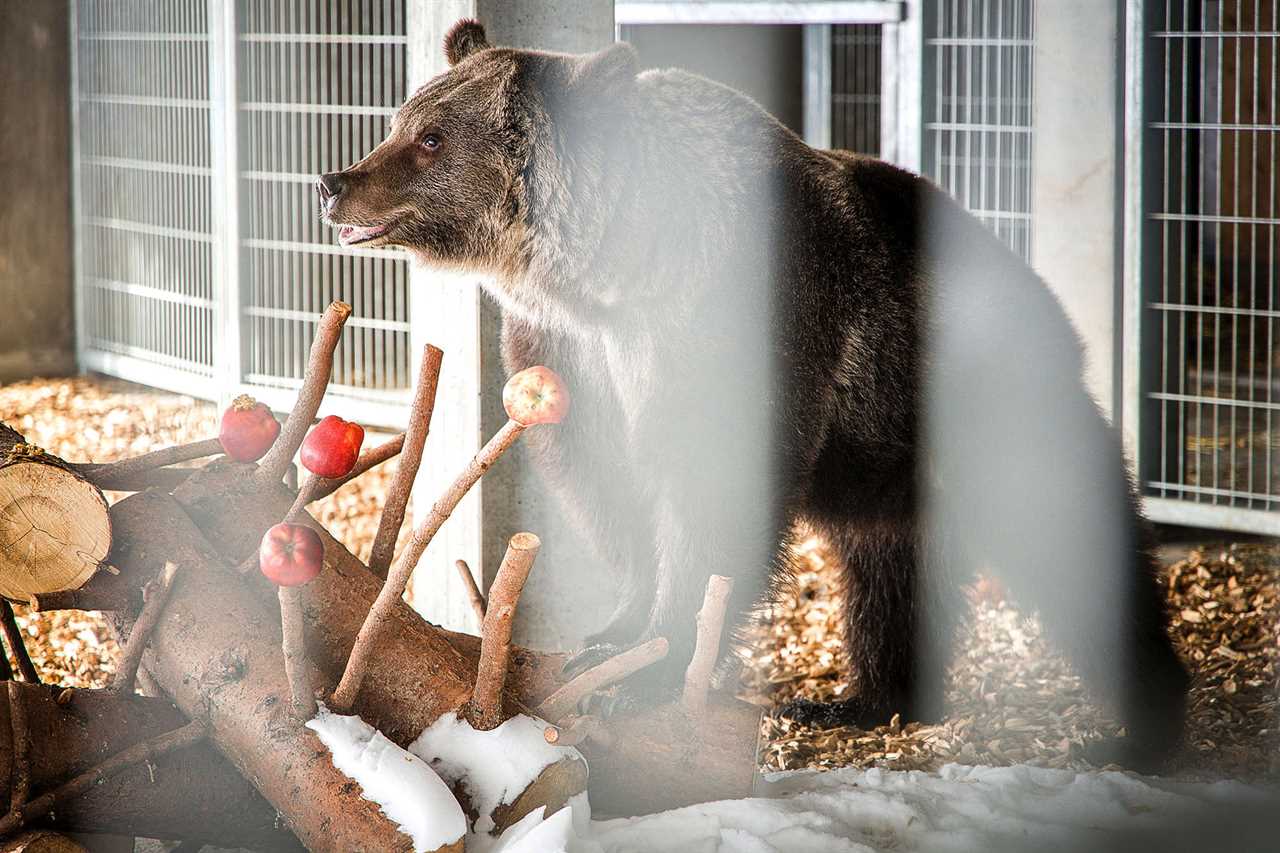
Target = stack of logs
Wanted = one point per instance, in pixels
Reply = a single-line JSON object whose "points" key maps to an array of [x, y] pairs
{"points": [[228, 762]]}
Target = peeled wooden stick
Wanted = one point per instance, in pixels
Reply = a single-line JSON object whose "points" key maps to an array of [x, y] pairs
{"points": [[560, 704], [473, 591], [533, 396], [314, 383], [398, 579], [697, 677], [137, 465], [575, 729], [295, 653], [139, 752], [13, 635], [167, 479], [154, 599], [20, 777], [393, 508], [484, 709]]}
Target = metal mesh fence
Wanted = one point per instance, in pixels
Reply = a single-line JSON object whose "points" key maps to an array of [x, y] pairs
{"points": [[157, 144], [319, 83], [977, 109], [1209, 272], [143, 229], [855, 87]]}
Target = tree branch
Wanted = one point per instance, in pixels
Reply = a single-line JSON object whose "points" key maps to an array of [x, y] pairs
{"points": [[398, 579], [575, 729], [147, 749], [424, 403], [562, 703], [154, 598], [314, 383], [13, 635], [295, 653], [20, 776], [697, 677], [473, 591], [136, 466], [484, 709]]}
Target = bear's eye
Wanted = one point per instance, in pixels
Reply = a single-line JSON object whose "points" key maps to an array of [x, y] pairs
{"points": [[431, 142]]}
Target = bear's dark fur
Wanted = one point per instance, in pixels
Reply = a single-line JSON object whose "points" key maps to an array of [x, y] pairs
{"points": [[756, 334]]}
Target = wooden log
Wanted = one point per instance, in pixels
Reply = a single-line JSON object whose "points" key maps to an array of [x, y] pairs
{"points": [[216, 652], [54, 526], [192, 793]]}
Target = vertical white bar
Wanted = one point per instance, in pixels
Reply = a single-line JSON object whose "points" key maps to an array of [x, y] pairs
{"points": [[77, 214], [817, 85], [444, 310], [225, 184], [1131, 302], [902, 73]]}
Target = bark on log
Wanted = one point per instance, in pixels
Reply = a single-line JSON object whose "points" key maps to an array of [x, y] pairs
{"points": [[216, 652], [54, 528], [192, 793]]}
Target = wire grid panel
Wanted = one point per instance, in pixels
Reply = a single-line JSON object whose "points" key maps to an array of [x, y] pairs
{"points": [[318, 85], [855, 87], [144, 272], [978, 65], [1210, 285]]}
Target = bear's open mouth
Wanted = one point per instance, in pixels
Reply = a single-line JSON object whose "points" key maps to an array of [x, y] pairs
{"points": [[352, 235]]}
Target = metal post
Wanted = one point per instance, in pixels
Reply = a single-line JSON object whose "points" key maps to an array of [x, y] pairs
{"points": [[817, 85], [225, 196], [901, 64]]}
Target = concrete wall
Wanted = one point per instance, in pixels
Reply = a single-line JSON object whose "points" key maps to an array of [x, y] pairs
{"points": [[37, 329], [1076, 205]]}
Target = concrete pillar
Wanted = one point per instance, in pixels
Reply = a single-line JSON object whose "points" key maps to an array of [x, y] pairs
{"points": [[451, 312], [37, 334], [1076, 206]]}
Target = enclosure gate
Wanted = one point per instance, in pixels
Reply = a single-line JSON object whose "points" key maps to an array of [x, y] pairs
{"points": [[199, 127], [1203, 293]]}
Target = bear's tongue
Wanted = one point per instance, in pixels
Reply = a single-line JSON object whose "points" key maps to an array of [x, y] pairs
{"points": [[350, 234]]}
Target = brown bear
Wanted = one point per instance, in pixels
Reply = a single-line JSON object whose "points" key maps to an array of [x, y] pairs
{"points": [[760, 335]]}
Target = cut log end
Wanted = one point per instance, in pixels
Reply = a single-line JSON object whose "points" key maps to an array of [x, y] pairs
{"points": [[54, 529]]}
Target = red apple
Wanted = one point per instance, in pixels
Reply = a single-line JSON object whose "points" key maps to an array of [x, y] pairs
{"points": [[248, 429], [332, 448], [290, 554], [536, 395]]}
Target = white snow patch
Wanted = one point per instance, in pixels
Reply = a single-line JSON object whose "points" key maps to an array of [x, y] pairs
{"points": [[861, 811], [493, 767], [408, 790]]}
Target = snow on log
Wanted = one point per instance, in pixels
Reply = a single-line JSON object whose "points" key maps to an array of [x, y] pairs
{"points": [[505, 772], [402, 784], [191, 793], [54, 527], [216, 652]]}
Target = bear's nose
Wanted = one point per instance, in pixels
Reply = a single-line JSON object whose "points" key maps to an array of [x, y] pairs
{"points": [[329, 186]]}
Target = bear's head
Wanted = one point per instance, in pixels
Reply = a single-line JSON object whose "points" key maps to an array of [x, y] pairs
{"points": [[475, 172]]}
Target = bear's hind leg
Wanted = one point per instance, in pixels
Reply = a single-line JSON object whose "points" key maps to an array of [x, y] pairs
{"points": [[898, 633]]}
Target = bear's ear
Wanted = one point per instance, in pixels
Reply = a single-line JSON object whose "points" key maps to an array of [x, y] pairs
{"points": [[606, 71], [463, 39]]}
